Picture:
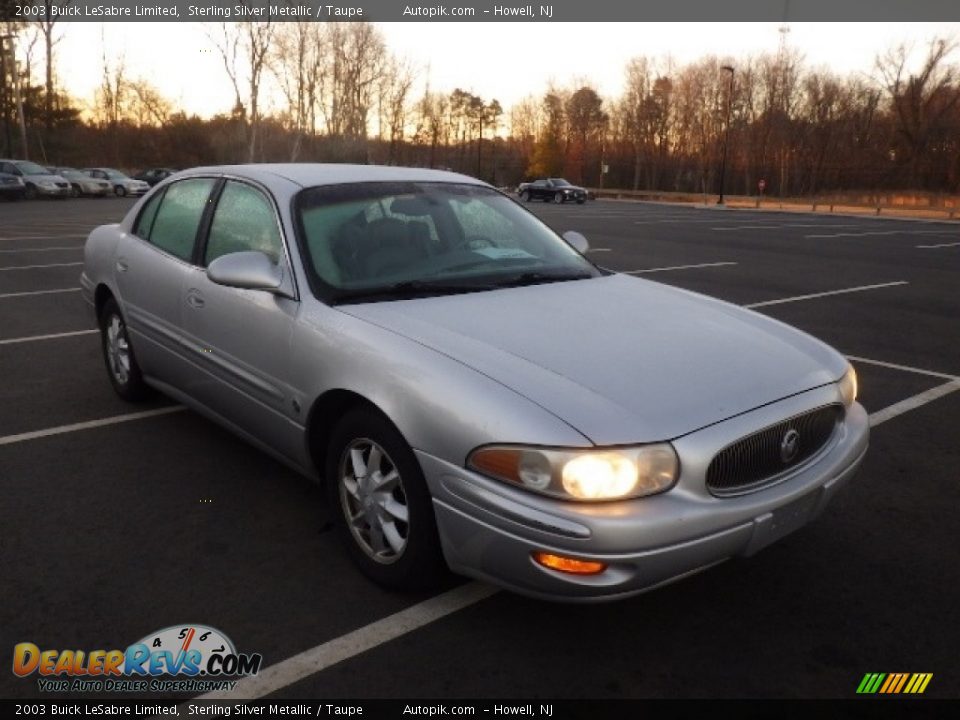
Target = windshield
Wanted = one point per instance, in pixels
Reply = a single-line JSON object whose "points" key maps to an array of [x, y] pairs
{"points": [[559, 182], [72, 174], [115, 175], [368, 241], [29, 168]]}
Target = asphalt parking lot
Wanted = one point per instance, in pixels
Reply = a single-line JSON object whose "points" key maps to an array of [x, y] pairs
{"points": [[114, 527]]}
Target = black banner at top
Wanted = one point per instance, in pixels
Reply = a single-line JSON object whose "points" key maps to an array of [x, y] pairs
{"points": [[480, 10]]}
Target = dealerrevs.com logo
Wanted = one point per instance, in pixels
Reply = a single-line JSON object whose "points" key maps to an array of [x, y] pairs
{"points": [[180, 658]]}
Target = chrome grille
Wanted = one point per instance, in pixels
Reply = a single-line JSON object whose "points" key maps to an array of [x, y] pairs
{"points": [[760, 458]]}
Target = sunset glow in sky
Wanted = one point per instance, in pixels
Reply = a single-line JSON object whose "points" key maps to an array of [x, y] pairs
{"points": [[506, 61]]}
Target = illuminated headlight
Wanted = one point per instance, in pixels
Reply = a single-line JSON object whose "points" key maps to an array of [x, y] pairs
{"points": [[848, 386], [607, 474]]}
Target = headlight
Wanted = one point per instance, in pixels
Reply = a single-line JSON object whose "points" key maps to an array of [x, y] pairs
{"points": [[606, 474], [848, 386]]}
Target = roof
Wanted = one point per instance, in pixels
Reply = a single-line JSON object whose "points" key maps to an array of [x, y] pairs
{"points": [[311, 174]]}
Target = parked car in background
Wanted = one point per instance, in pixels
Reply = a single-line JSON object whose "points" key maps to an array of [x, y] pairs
{"points": [[556, 189], [83, 184], [154, 175], [11, 186], [37, 180], [394, 331], [122, 184]]}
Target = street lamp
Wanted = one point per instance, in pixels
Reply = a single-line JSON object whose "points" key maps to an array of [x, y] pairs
{"points": [[726, 135], [15, 75]]}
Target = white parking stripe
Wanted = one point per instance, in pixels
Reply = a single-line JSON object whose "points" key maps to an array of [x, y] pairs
{"points": [[43, 237], [310, 662], [51, 336], [941, 245], [912, 403], [598, 250], [90, 424], [676, 267], [43, 249], [905, 368], [38, 292], [844, 291], [37, 267], [884, 232], [782, 225]]}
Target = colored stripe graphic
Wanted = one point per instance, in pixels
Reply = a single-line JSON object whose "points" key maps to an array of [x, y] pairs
{"points": [[894, 683]]}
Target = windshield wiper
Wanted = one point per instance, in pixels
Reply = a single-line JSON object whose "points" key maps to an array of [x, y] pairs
{"points": [[410, 289], [536, 278]]}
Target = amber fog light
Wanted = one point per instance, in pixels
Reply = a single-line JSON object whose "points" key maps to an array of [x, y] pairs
{"points": [[569, 565]]}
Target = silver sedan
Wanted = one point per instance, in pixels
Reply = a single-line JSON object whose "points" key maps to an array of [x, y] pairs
{"points": [[474, 393]]}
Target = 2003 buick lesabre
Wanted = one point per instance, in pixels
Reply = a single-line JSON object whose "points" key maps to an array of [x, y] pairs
{"points": [[474, 392]]}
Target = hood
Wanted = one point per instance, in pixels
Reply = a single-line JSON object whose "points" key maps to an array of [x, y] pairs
{"points": [[621, 359]]}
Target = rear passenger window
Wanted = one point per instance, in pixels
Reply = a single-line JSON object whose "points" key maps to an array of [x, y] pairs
{"points": [[174, 227], [145, 221], [244, 220]]}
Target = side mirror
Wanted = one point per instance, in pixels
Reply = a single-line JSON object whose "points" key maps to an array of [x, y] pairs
{"points": [[577, 241], [251, 270]]}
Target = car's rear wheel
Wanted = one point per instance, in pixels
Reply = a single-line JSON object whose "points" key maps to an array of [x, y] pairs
{"points": [[120, 190], [558, 198], [381, 503], [122, 367], [525, 196]]}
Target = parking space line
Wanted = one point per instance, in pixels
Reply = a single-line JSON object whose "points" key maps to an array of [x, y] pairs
{"points": [[798, 298], [38, 292], [912, 403], [905, 368], [598, 249], [677, 267], [42, 249], [884, 232], [37, 267], [941, 245], [296, 668], [51, 336], [43, 237], [782, 225], [88, 425]]}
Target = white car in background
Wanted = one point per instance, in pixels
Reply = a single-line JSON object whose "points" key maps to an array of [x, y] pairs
{"points": [[83, 184], [123, 185]]}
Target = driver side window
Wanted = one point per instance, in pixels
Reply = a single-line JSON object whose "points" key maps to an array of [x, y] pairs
{"points": [[244, 220]]}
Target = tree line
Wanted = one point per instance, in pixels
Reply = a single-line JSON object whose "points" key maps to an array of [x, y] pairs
{"points": [[338, 94]]}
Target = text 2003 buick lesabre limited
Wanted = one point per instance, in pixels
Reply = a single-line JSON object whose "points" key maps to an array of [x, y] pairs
{"points": [[475, 393]]}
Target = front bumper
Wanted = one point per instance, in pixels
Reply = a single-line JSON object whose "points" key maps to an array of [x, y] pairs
{"points": [[489, 530], [53, 191]]}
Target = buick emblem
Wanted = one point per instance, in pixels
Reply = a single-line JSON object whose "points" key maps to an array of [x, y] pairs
{"points": [[789, 446]]}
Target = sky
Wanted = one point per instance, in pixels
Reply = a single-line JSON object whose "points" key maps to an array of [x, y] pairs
{"points": [[506, 61]]}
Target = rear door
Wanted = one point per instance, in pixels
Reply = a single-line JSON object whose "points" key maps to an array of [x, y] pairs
{"points": [[152, 266], [240, 338]]}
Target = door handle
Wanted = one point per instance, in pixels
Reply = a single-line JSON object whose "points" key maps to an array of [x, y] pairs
{"points": [[195, 300], [122, 265]]}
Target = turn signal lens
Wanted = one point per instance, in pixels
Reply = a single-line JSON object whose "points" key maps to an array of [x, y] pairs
{"points": [[849, 386], [569, 565]]}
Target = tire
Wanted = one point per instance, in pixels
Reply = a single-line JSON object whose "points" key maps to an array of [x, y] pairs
{"points": [[525, 196], [118, 355], [558, 198], [30, 192], [398, 547], [74, 191], [120, 191], [580, 201]]}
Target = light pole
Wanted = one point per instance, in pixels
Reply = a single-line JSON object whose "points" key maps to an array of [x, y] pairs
{"points": [[726, 134], [15, 75]]}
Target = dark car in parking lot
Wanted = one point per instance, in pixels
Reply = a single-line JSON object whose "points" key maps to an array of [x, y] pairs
{"points": [[154, 175], [556, 189], [11, 187]]}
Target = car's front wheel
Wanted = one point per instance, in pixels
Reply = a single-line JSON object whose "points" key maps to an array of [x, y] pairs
{"points": [[120, 190], [381, 503], [30, 192], [558, 198], [525, 196], [122, 367], [74, 191]]}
